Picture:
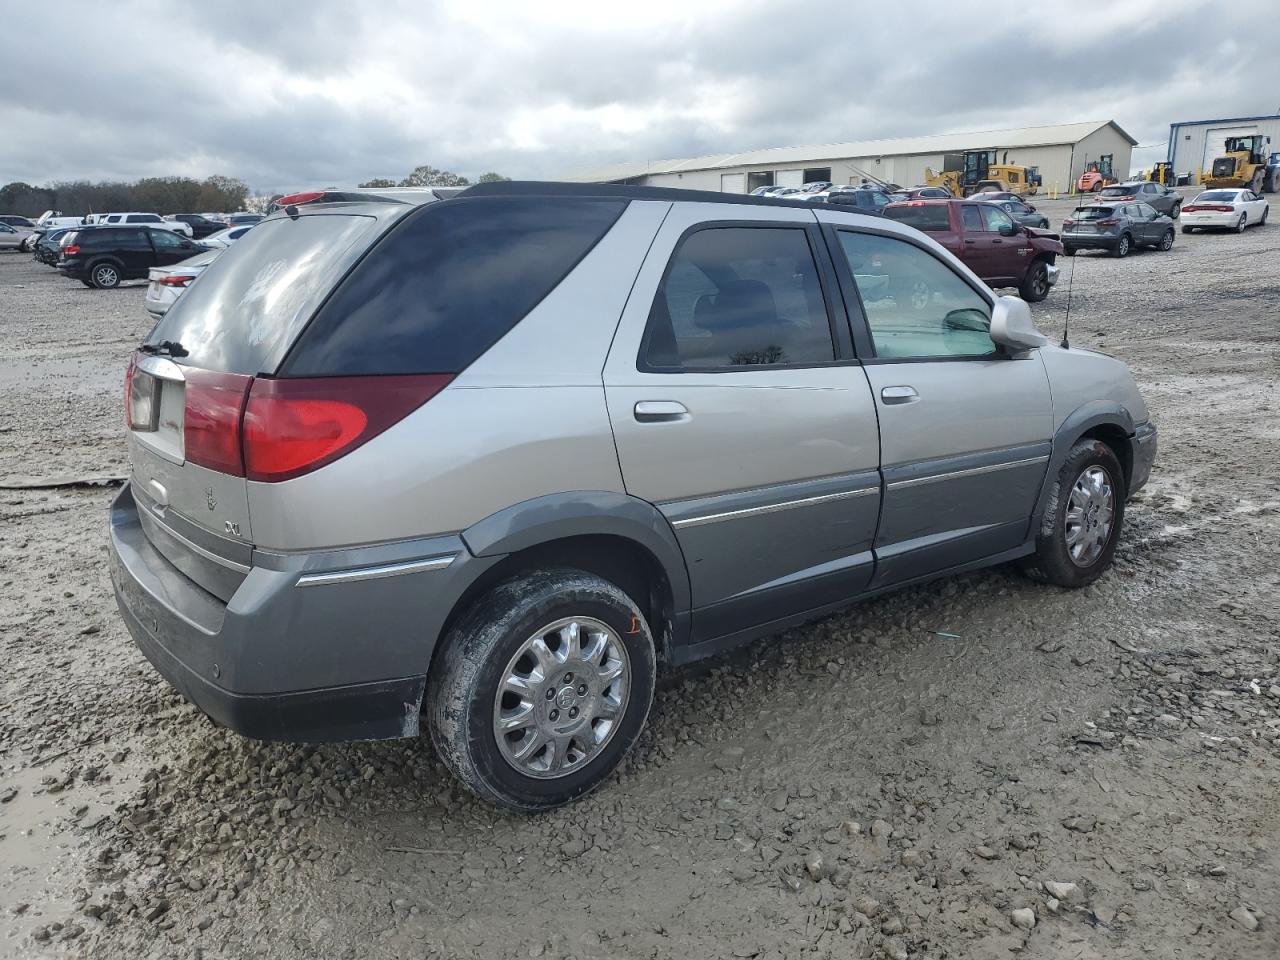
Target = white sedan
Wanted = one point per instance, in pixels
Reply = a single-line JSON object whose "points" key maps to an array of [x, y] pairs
{"points": [[168, 283], [1230, 209], [224, 238]]}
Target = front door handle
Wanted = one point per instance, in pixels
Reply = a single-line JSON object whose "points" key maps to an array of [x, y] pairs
{"points": [[660, 411], [902, 394]]}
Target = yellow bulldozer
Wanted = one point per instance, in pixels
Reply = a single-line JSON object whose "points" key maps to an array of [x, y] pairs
{"points": [[968, 173], [1243, 164]]}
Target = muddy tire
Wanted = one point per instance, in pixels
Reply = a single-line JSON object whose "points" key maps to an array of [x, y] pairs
{"points": [[541, 688], [1082, 520]]}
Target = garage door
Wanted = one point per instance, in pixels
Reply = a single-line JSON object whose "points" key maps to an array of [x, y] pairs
{"points": [[733, 183], [790, 178], [1215, 142]]}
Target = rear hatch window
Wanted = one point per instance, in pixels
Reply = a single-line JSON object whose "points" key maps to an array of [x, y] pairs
{"points": [[929, 216], [448, 282], [1093, 213], [250, 303]]}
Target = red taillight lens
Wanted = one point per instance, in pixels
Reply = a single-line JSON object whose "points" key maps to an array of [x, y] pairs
{"points": [[71, 249], [1106, 223], [296, 198], [292, 427], [1068, 224], [180, 280], [211, 420]]}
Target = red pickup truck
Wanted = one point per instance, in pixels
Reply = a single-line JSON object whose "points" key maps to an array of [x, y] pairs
{"points": [[991, 244]]}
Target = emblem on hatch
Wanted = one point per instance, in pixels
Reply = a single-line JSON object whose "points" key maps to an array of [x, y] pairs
{"points": [[232, 528], [210, 498]]}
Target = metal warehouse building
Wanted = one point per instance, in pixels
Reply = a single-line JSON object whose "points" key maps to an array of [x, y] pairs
{"points": [[1060, 152], [1194, 144]]}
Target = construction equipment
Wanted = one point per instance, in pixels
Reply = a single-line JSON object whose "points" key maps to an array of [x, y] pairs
{"points": [[1244, 164], [966, 173], [1097, 174], [1163, 173]]}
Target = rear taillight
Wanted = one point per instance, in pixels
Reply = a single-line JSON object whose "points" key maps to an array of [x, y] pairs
{"points": [[211, 420], [292, 427], [1106, 223], [178, 280], [293, 199], [1068, 224], [71, 249]]}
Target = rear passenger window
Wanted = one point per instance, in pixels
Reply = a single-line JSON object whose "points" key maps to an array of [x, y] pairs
{"points": [[971, 218], [738, 297], [915, 305], [447, 283]]}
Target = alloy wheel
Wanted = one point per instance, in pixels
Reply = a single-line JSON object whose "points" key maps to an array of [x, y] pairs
{"points": [[1090, 515], [561, 697]]}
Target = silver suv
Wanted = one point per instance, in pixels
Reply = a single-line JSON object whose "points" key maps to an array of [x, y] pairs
{"points": [[484, 464]]}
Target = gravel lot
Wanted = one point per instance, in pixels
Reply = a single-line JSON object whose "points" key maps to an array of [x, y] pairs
{"points": [[968, 769]]}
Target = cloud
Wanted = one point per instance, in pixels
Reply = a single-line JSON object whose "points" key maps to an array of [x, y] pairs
{"points": [[289, 94]]}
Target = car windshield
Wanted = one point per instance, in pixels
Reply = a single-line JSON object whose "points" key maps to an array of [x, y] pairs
{"points": [[1216, 196], [1093, 213], [926, 216], [1120, 191]]}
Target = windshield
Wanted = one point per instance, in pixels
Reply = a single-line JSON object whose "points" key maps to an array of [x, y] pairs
{"points": [[252, 301], [1216, 196], [1120, 191], [932, 216], [1093, 213]]}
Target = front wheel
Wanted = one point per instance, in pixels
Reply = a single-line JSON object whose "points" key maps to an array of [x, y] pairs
{"points": [[1082, 520], [1097, 187], [541, 688], [1035, 285], [1166, 242]]}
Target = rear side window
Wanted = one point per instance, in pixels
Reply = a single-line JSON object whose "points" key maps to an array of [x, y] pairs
{"points": [[447, 283], [931, 216], [739, 297], [251, 302]]}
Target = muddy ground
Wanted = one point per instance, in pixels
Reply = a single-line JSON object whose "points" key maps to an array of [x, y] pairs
{"points": [[974, 768]]}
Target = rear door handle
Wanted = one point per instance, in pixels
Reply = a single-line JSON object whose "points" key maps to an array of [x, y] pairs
{"points": [[901, 394], [660, 411]]}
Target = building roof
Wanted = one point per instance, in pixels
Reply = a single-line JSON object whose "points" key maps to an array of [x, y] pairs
{"points": [[897, 146]]}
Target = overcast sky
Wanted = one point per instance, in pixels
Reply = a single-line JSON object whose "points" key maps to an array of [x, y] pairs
{"points": [[285, 94]]}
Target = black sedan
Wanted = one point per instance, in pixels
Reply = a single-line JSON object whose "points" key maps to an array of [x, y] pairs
{"points": [[1021, 211]]}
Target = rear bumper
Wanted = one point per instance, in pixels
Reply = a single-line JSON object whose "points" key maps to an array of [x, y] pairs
{"points": [[1145, 444], [304, 651], [1103, 241], [1214, 219]]}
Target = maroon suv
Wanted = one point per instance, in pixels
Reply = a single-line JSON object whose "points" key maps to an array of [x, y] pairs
{"points": [[991, 244]]}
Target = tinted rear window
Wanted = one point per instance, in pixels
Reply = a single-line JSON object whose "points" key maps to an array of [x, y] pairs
{"points": [[1094, 213], [934, 216], [1216, 196], [447, 283], [251, 302]]}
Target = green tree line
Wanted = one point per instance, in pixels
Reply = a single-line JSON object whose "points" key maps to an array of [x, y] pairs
{"points": [[428, 176], [162, 195]]}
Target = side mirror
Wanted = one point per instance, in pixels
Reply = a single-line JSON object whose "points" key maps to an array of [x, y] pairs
{"points": [[1031, 207], [1008, 229], [1012, 326]]}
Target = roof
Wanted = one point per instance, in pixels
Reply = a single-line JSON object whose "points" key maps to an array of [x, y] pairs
{"points": [[559, 188], [938, 143], [1200, 123]]}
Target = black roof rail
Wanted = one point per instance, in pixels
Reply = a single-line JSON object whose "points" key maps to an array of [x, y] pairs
{"points": [[555, 188]]}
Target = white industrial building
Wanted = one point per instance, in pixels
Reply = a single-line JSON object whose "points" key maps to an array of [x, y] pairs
{"points": [[1193, 144], [1060, 152]]}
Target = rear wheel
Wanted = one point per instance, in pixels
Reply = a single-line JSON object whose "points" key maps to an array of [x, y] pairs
{"points": [[1082, 520], [1069, 251], [1242, 222], [1123, 245], [1176, 211], [1166, 242], [1263, 221], [541, 688], [1035, 285], [105, 276], [1188, 229]]}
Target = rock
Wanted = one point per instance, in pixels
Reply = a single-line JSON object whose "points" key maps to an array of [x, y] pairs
{"points": [[895, 949], [851, 828], [1061, 891], [1169, 721], [867, 906], [1024, 917], [892, 927], [813, 865], [156, 911], [1245, 918], [574, 848], [1217, 870], [780, 801], [986, 853], [881, 828], [912, 858]]}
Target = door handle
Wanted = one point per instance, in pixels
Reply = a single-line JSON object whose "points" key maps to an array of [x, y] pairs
{"points": [[901, 394], [660, 411]]}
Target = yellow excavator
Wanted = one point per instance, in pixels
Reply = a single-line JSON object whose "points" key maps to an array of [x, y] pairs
{"points": [[968, 173], [1243, 164]]}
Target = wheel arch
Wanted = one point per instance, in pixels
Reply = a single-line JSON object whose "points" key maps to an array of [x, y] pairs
{"points": [[621, 538], [1110, 423]]}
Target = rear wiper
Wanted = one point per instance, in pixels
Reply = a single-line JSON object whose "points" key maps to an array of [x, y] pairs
{"points": [[169, 348]]}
